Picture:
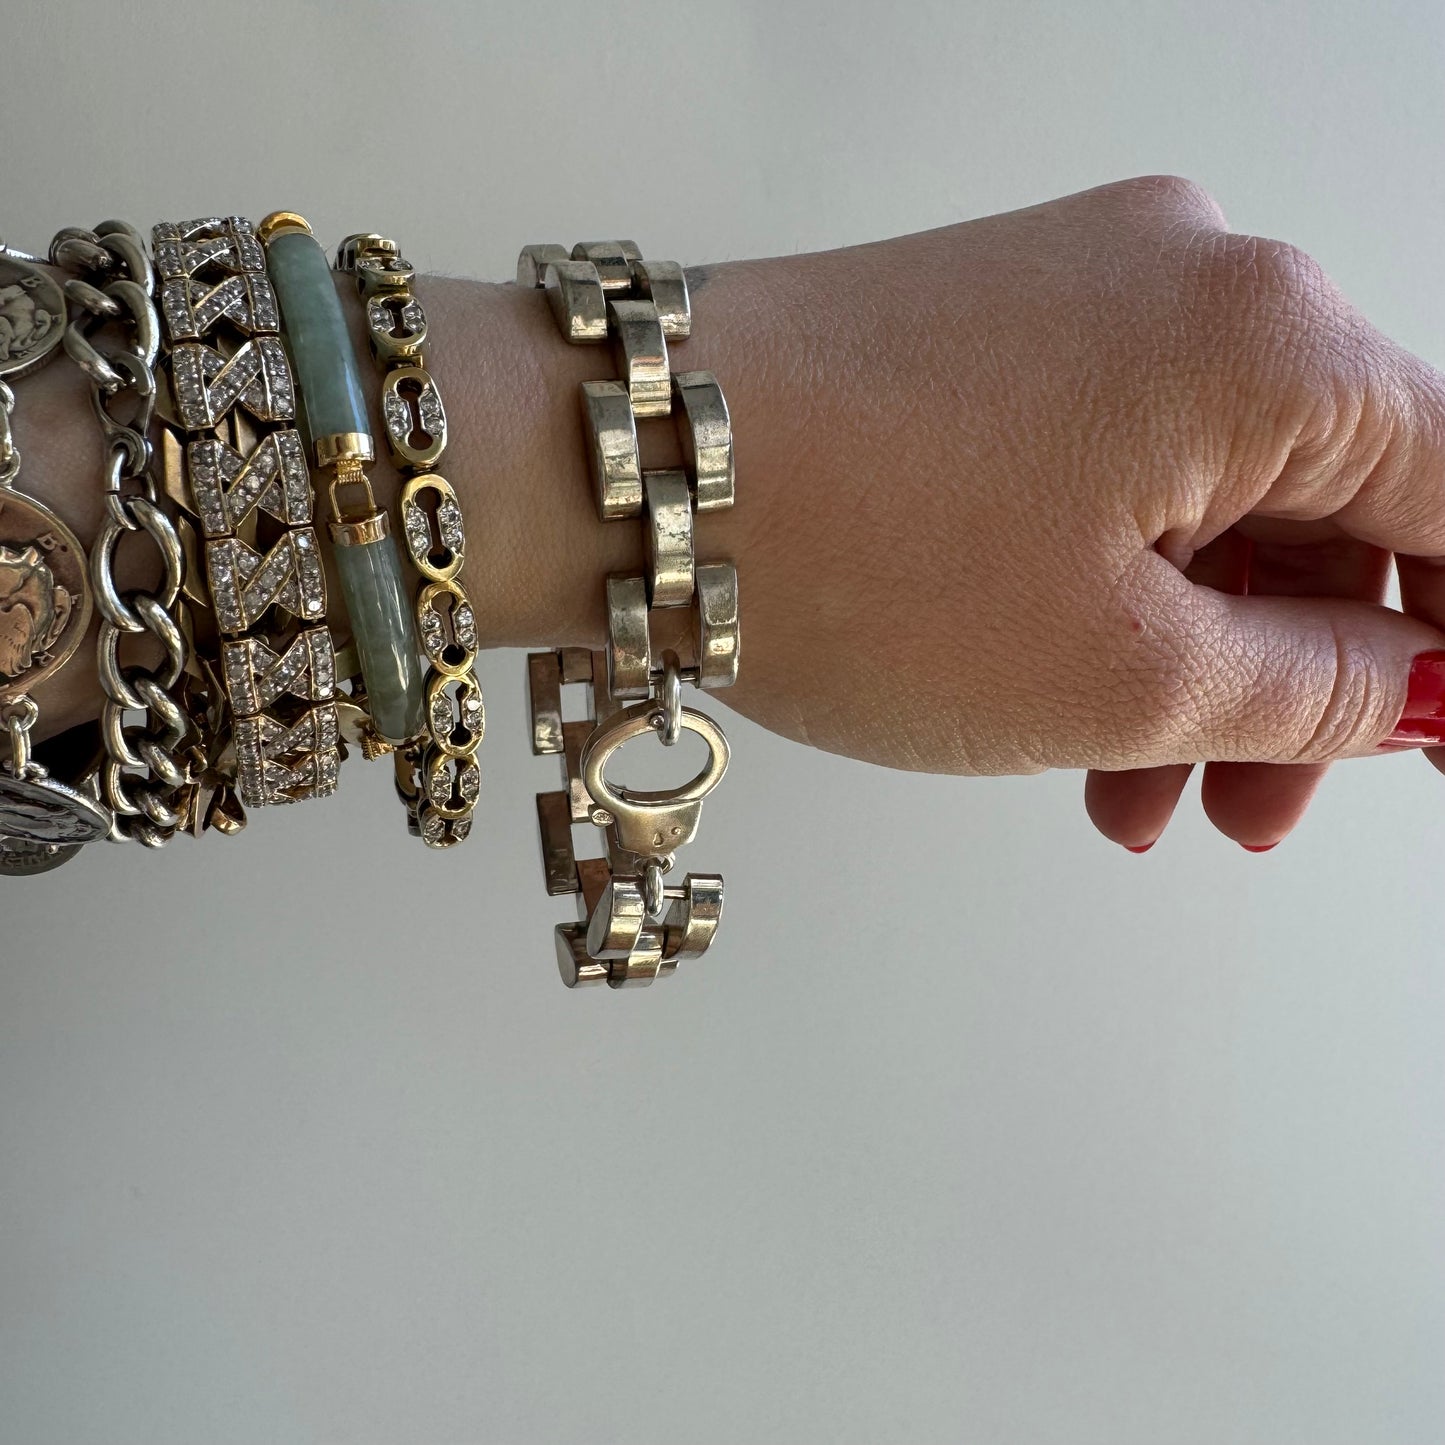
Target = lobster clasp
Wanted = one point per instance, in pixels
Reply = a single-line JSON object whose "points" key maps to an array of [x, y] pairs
{"points": [[650, 823]]}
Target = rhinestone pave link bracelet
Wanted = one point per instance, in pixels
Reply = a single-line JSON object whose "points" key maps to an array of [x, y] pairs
{"points": [[634, 925], [235, 466]]}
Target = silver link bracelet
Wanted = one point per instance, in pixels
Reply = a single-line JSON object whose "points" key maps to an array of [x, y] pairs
{"points": [[633, 925]]}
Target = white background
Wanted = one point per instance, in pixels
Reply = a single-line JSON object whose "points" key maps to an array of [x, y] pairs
{"points": [[973, 1128]]}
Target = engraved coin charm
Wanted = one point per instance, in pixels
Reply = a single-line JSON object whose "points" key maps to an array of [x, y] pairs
{"points": [[37, 809], [32, 317], [45, 595], [22, 859]]}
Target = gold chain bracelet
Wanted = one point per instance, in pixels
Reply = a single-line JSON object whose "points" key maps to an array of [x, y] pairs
{"points": [[633, 925], [438, 779]]}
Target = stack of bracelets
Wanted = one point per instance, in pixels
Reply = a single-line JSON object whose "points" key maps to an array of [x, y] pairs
{"points": [[236, 420]]}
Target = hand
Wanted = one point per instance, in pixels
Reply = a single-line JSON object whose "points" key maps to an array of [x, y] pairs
{"points": [[1004, 487]]}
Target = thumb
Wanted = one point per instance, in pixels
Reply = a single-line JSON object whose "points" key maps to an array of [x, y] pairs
{"points": [[1292, 679]]}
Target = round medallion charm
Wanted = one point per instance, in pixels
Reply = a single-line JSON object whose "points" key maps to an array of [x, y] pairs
{"points": [[21, 859], [32, 317], [41, 810], [44, 593]]}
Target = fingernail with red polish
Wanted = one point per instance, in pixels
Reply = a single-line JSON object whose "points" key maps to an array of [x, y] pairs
{"points": [[1142, 848], [1422, 724], [1258, 847]]}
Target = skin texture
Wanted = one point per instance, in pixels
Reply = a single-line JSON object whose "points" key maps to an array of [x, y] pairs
{"points": [[1003, 487]]}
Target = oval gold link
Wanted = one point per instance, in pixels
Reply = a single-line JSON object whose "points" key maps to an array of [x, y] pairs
{"points": [[431, 518], [451, 785], [379, 271], [455, 714], [416, 422], [396, 326], [447, 625], [351, 247], [439, 831]]}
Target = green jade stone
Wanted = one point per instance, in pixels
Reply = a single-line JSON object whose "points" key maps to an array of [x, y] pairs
{"points": [[328, 372], [328, 376], [381, 622]]}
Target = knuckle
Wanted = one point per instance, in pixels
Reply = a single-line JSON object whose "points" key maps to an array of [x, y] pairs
{"points": [[1271, 321], [1267, 286], [1174, 197]]}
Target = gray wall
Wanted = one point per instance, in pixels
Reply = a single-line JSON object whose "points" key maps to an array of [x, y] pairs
{"points": [[975, 1128]]}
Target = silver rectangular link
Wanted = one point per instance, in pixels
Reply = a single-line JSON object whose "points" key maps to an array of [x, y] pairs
{"points": [[575, 295], [693, 919], [613, 261], [559, 860], [617, 920], [574, 739], [629, 640], [533, 262], [667, 539], [718, 638], [664, 284], [642, 966], [612, 438], [706, 432], [641, 351], [544, 694], [576, 968], [579, 664]]}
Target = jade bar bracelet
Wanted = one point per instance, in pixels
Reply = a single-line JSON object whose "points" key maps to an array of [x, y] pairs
{"points": [[328, 377]]}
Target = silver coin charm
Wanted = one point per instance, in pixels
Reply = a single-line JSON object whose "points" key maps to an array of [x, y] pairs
{"points": [[38, 809], [32, 317], [45, 596], [20, 858]]}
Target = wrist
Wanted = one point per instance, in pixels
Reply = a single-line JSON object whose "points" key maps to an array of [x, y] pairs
{"points": [[536, 555]]}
